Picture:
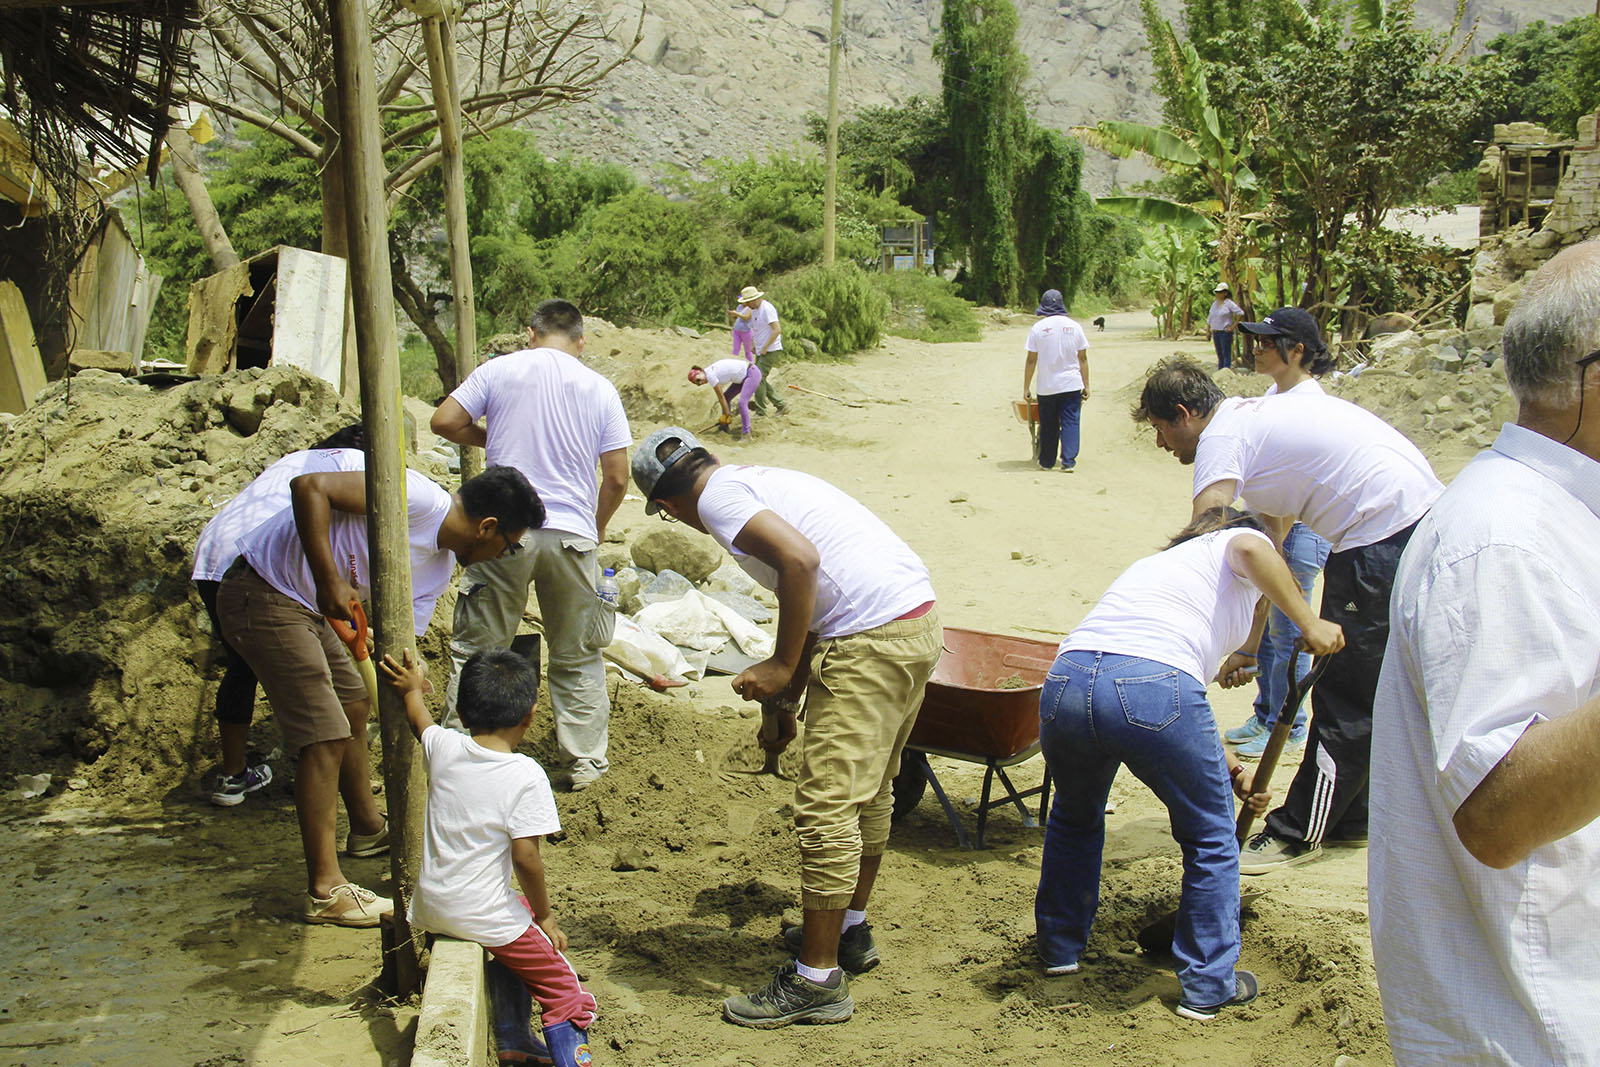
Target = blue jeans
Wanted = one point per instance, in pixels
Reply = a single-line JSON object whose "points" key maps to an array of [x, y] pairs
{"points": [[1306, 554], [1058, 423], [1099, 710], [1222, 341]]}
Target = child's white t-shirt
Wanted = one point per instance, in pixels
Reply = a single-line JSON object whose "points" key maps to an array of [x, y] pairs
{"points": [[478, 801]]}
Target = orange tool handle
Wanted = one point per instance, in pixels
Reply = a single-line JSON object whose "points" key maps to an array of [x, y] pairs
{"points": [[354, 638]]}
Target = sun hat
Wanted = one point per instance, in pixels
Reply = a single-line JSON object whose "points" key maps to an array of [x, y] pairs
{"points": [[692, 373], [1294, 323], [648, 468], [1051, 304], [750, 294], [1222, 287]]}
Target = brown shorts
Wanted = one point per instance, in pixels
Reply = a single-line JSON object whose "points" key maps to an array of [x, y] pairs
{"points": [[301, 663]]}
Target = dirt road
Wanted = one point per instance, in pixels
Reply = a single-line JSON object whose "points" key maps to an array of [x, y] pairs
{"points": [[165, 932]]}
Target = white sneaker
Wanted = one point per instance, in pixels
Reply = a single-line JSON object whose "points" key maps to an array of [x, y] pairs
{"points": [[347, 905]]}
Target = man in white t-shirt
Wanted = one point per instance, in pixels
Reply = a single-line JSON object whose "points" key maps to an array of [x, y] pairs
{"points": [[859, 636], [214, 552], [308, 564], [767, 337], [555, 420], [1485, 791], [1058, 348], [1352, 479]]}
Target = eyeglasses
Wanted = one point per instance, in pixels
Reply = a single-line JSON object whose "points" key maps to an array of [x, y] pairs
{"points": [[664, 517], [512, 547], [1583, 369]]}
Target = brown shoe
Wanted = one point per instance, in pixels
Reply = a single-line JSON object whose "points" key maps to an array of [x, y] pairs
{"points": [[347, 905]]}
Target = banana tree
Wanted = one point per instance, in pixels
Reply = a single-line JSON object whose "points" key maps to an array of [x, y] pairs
{"points": [[1207, 147]]}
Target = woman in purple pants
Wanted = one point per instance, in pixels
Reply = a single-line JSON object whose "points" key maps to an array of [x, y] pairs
{"points": [[723, 376]]}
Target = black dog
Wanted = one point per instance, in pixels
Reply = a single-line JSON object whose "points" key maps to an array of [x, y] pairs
{"points": [[1100, 323]]}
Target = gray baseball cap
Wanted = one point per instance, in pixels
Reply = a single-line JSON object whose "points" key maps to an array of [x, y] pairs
{"points": [[648, 467]]}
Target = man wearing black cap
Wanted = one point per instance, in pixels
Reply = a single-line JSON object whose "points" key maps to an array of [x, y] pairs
{"points": [[1059, 349], [858, 636], [1354, 480]]}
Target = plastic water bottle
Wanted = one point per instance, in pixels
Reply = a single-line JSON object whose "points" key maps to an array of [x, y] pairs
{"points": [[608, 591]]}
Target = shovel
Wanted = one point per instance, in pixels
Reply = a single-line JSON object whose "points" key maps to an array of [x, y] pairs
{"points": [[1157, 936], [355, 640]]}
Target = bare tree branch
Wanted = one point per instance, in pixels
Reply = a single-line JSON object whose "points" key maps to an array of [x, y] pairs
{"points": [[270, 123]]}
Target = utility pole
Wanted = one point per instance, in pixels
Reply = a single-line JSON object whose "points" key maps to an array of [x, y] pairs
{"points": [[831, 182], [371, 286]]}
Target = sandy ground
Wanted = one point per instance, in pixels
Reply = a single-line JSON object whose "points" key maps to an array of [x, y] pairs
{"points": [[163, 931]]}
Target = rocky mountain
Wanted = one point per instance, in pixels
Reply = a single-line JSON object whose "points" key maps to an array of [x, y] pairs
{"points": [[720, 78]]}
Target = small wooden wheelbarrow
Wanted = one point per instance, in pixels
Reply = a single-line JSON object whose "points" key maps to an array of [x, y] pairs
{"points": [[1027, 411], [981, 706]]}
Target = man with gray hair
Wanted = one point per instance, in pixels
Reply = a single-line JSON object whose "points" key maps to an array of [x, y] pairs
{"points": [[1486, 736]]}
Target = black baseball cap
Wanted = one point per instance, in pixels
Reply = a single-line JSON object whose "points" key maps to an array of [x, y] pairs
{"points": [[1293, 323]]}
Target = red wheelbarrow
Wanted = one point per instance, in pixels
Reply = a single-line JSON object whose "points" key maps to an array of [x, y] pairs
{"points": [[1028, 411], [981, 706]]}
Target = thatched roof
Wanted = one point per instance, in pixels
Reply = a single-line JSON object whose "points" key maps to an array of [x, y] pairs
{"points": [[92, 80]]}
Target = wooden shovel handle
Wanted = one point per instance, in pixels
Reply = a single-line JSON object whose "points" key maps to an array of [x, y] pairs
{"points": [[1280, 732]]}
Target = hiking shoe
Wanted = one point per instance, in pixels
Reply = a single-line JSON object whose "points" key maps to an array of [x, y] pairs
{"points": [[363, 845], [857, 952], [789, 998], [1246, 989], [1249, 730], [1267, 853], [347, 905], [231, 788]]}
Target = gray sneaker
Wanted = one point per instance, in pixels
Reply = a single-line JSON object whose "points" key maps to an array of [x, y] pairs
{"points": [[858, 954], [789, 998], [1265, 853]]}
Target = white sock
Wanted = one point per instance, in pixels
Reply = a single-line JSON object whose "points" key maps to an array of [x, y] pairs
{"points": [[819, 975], [852, 917]]}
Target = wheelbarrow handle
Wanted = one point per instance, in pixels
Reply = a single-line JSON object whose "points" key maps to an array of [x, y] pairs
{"points": [[1268, 763], [354, 638]]}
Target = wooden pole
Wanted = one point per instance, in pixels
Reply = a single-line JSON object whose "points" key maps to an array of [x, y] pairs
{"points": [[831, 181], [440, 40], [378, 353]]}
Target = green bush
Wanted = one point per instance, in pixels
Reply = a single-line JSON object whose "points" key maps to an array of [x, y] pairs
{"points": [[419, 373], [925, 307], [836, 308]]}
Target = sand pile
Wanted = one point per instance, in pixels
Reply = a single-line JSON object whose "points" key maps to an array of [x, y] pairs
{"points": [[106, 484]]}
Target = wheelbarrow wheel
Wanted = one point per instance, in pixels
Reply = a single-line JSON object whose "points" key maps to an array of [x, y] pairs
{"points": [[910, 783]]}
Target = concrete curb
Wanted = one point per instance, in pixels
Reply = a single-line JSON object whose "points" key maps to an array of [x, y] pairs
{"points": [[453, 1027]]}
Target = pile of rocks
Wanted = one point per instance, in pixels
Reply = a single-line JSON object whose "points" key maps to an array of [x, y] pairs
{"points": [[665, 563]]}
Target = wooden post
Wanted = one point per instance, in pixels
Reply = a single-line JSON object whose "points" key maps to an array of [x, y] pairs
{"points": [[378, 353], [447, 102], [831, 180]]}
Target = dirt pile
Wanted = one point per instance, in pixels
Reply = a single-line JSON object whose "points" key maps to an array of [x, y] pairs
{"points": [[106, 484]]}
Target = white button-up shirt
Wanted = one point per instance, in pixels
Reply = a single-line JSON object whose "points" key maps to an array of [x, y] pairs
{"points": [[1495, 626]]}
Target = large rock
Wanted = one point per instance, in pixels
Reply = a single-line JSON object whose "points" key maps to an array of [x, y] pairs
{"points": [[677, 548], [83, 359]]}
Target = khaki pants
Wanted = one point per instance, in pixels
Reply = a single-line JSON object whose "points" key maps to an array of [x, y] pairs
{"points": [[861, 704], [563, 571]]}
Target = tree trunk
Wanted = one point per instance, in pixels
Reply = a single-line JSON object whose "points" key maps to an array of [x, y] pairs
{"points": [[419, 309], [446, 101], [336, 242], [186, 173]]}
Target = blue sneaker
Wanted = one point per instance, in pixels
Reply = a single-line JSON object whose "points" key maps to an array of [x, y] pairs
{"points": [[1252, 749], [1249, 730]]}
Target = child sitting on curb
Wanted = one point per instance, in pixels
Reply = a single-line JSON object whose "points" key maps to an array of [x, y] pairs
{"points": [[487, 808]]}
